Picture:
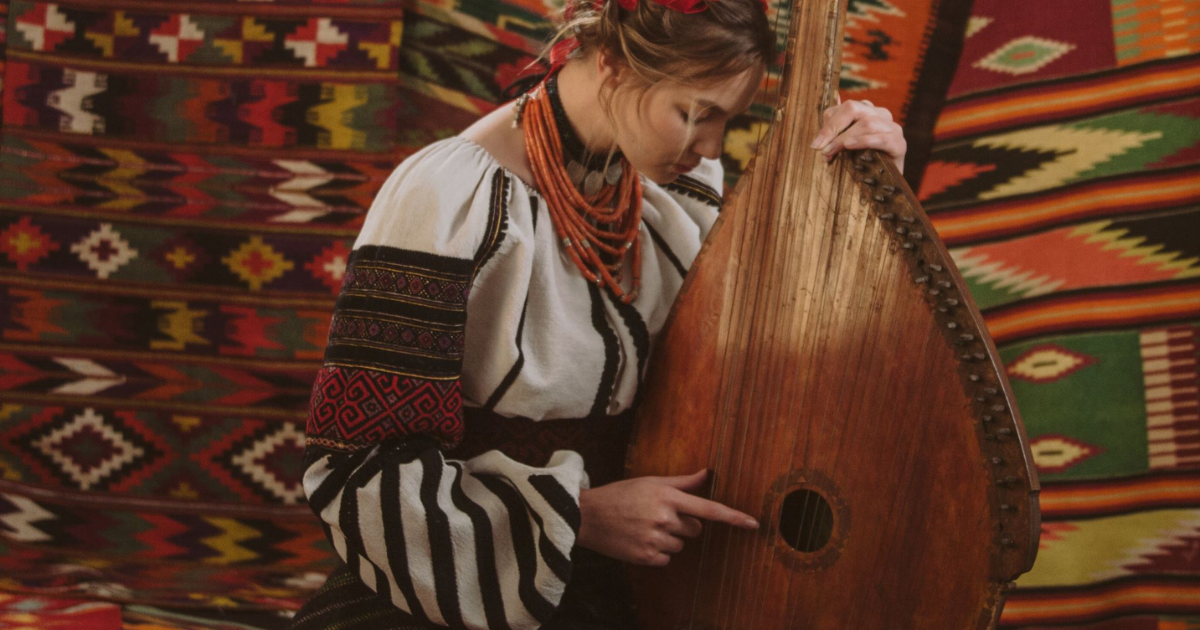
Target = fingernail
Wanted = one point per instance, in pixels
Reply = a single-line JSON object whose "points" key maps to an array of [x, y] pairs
{"points": [[818, 141], [750, 523]]}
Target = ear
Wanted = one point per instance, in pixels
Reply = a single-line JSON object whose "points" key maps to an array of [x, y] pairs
{"points": [[607, 68]]}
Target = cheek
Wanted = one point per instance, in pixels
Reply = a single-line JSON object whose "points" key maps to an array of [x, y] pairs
{"points": [[669, 133]]}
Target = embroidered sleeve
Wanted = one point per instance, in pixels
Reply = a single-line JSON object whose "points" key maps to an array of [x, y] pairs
{"points": [[481, 543]]}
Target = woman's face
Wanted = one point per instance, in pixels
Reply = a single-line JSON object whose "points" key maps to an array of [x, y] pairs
{"points": [[672, 126]]}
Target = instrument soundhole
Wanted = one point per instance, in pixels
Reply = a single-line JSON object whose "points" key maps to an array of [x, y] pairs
{"points": [[805, 520]]}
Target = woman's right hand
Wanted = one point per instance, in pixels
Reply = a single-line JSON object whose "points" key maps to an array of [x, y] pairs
{"points": [[645, 519]]}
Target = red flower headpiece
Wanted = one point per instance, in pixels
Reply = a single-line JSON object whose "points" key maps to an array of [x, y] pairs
{"points": [[566, 46], [683, 6]]}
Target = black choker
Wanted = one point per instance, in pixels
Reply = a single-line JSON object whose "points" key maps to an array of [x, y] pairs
{"points": [[588, 172]]}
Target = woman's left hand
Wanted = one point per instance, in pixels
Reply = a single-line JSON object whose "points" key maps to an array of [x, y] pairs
{"points": [[860, 125]]}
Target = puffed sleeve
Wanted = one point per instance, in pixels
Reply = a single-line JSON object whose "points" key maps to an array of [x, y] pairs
{"points": [[480, 543]]}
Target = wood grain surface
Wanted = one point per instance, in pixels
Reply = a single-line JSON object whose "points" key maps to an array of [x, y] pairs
{"points": [[824, 340]]}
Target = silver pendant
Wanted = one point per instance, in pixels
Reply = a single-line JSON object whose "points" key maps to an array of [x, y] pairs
{"points": [[613, 174], [520, 109], [576, 172], [592, 183]]}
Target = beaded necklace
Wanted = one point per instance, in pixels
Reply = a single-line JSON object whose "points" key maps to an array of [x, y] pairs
{"points": [[598, 225], [587, 171]]}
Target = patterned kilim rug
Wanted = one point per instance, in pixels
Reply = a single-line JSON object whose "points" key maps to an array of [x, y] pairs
{"points": [[1066, 179], [180, 184], [36, 612]]}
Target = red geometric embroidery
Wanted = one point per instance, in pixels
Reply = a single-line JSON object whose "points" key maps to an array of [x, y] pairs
{"points": [[354, 408], [442, 292], [359, 328]]}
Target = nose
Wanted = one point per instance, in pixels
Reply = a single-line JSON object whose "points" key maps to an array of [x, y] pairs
{"points": [[709, 142]]}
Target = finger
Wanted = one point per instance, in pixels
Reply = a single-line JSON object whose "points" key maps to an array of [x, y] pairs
{"points": [[888, 143], [713, 511], [827, 130], [689, 527], [687, 482], [660, 560], [685, 526], [841, 119], [836, 146], [670, 544], [650, 557], [862, 128]]}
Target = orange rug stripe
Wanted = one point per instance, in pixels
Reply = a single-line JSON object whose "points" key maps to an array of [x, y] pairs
{"points": [[1029, 608], [1091, 310], [1118, 496], [1103, 199], [975, 115]]}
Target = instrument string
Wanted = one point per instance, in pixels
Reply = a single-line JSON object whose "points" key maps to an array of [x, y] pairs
{"points": [[748, 328], [715, 455], [757, 570], [725, 402], [824, 254], [727, 397], [761, 561], [733, 482], [785, 118], [808, 514], [808, 425], [766, 314], [761, 544]]}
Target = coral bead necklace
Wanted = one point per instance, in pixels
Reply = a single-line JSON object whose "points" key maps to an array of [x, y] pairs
{"points": [[596, 226]]}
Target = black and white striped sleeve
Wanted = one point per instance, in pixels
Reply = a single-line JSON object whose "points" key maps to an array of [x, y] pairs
{"points": [[483, 543]]}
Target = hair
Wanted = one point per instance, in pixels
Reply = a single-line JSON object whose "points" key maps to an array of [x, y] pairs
{"points": [[653, 43], [657, 43]]}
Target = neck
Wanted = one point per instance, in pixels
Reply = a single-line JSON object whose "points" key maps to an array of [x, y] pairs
{"points": [[579, 90]]}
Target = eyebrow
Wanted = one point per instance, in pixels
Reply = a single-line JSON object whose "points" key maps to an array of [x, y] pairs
{"points": [[706, 104]]}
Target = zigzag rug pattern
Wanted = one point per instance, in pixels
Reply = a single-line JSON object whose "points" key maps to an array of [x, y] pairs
{"points": [[180, 190], [54, 613], [1129, 250], [180, 187], [1065, 177]]}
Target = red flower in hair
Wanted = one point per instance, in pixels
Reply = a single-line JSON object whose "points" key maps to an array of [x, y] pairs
{"points": [[562, 50], [683, 6]]}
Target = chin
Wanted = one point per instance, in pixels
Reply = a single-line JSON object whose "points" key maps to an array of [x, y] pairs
{"points": [[662, 175]]}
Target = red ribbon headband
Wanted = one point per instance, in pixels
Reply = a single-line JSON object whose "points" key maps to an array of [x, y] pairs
{"points": [[683, 6], [564, 47]]}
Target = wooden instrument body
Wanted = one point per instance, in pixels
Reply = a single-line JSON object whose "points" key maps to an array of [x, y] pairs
{"points": [[825, 341]]}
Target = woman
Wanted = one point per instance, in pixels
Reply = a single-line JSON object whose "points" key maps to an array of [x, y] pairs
{"points": [[468, 427]]}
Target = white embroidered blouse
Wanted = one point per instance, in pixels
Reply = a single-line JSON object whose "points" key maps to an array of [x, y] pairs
{"points": [[458, 294]]}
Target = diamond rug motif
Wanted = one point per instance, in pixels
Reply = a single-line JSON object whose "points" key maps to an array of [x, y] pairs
{"points": [[1065, 176], [180, 187], [1024, 55], [89, 450]]}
